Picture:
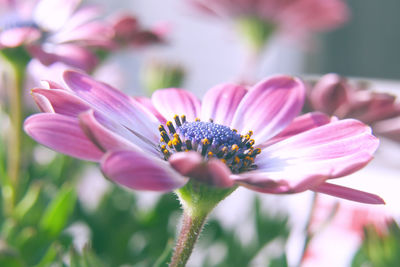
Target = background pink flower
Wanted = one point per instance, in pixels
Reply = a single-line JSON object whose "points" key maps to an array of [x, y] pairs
{"points": [[295, 17], [55, 30], [337, 96]]}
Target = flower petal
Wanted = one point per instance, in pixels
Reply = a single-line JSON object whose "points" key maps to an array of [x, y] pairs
{"points": [[191, 164], [103, 137], [53, 14], [348, 193], [63, 134], [114, 104], [220, 103], [341, 146], [146, 102], [330, 94], [73, 55], [59, 101], [300, 124], [18, 36], [173, 101], [282, 182], [269, 107], [138, 171]]}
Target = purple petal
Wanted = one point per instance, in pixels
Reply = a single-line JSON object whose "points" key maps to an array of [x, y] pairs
{"points": [[269, 107], [173, 101], [63, 134], [138, 171], [114, 104], [146, 102], [283, 182], [221, 102], [300, 124], [348, 193], [59, 101], [191, 164], [341, 146], [101, 136]]}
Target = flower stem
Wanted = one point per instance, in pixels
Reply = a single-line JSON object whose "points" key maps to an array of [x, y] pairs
{"points": [[198, 200], [190, 231], [17, 62]]}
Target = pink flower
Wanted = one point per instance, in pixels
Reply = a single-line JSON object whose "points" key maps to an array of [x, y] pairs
{"points": [[295, 17], [160, 144], [341, 225], [55, 30], [334, 95], [128, 31]]}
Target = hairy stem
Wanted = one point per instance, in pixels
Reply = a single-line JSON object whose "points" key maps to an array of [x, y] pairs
{"points": [[190, 231]]}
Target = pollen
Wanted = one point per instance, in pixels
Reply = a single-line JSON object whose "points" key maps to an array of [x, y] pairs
{"points": [[211, 140]]}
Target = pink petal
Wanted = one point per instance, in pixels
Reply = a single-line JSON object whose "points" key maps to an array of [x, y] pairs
{"points": [[107, 139], [348, 193], [146, 102], [191, 164], [300, 124], [114, 104], [72, 55], [18, 36], [138, 171], [92, 33], [389, 128], [221, 102], [341, 146], [173, 101], [283, 182], [63, 134], [269, 107], [53, 14], [332, 95], [59, 101]]}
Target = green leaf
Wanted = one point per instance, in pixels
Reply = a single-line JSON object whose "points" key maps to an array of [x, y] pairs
{"points": [[58, 212]]}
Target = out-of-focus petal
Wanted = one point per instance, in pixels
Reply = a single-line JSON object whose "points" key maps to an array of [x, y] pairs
{"points": [[18, 36], [389, 128], [53, 14], [63, 134], [329, 94], [138, 171], [212, 172], [269, 107], [348, 193], [70, 54], [300, 124], [94, 34], [114, 104], [220, 103], [173, 101]]}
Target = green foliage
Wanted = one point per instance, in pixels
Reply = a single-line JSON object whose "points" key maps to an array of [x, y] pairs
{"points": [[379, 249], [122, 233]]}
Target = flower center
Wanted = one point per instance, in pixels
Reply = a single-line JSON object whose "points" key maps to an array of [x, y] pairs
{"points": [[211, 140]]}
